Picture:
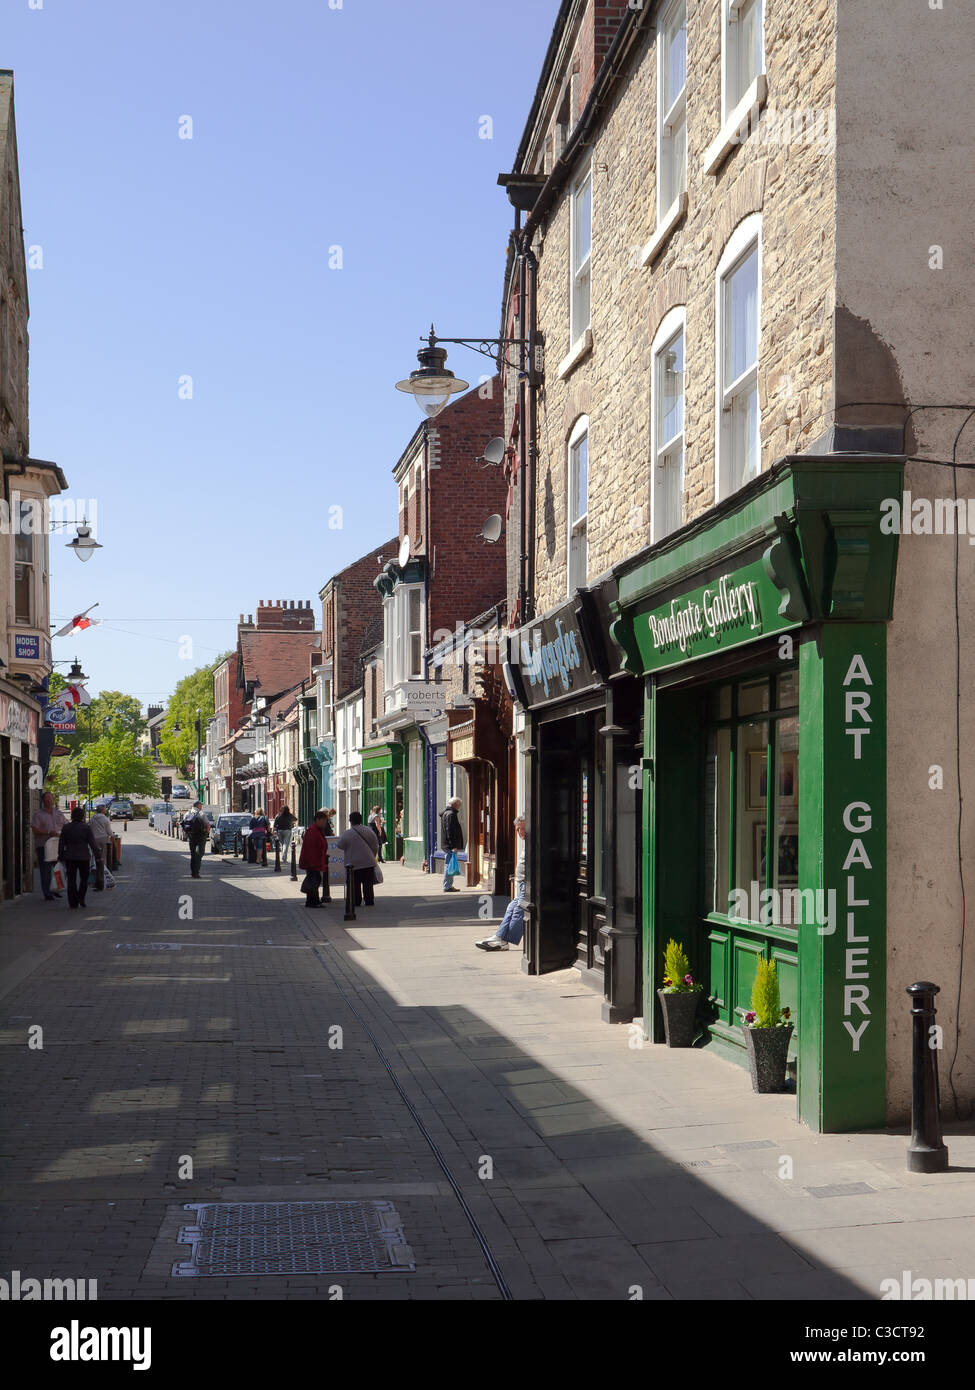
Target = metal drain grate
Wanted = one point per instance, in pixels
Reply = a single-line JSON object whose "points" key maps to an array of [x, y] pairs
{"points": [[695, 1163], [151, 946], [749, 1144], [840, 1189], [254, 1238]]}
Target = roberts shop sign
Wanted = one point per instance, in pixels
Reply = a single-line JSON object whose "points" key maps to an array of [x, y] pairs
{"points": [[728, 611]]}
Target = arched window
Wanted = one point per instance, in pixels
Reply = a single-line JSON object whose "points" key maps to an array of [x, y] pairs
{"points": [[667, 426], [578, 504], [738, 291]]}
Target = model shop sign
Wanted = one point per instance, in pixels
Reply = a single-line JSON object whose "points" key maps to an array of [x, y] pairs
{"points": [[734, 608]]}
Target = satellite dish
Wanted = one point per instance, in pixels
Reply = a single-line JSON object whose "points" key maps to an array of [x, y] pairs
{"points": [[492, 528], [404, 552], [493, 451]]}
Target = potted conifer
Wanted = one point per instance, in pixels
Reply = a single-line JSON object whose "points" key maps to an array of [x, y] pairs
{"points": [[768, 1030], [678, 997]]}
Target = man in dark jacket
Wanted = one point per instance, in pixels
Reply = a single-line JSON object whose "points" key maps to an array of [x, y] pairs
{"points": [[314, 858], [451, 838], [75, 847], [197, 830]]}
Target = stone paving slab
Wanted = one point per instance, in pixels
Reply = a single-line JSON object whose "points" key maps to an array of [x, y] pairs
{"points": [[593, 1167]]}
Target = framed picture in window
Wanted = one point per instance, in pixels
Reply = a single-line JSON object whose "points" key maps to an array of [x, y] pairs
{"points": [[788, 865], [758, 779]]}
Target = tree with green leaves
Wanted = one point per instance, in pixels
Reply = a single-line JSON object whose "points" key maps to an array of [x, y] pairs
{"points": [[116, 766], [193, 692]]}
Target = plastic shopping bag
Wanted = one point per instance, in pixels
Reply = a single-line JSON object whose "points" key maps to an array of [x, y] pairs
{"points": [[51, 849], [109, 879], [451, 866], [58, 877]]}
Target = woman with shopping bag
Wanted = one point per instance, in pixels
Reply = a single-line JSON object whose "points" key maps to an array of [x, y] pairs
{"points": [[77, 845]]}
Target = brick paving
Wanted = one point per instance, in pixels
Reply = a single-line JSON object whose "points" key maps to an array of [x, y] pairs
{"points": [[594, 1169]]}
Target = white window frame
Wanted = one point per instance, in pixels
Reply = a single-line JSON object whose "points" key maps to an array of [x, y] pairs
{"points": [[397, 665], [669, 122], [414, 669], [733, 93], [672, 326], [747, 234], [414, 829], [582, 274], [576, 526]]}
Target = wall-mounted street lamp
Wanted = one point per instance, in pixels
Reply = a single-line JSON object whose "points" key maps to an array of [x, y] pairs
{"points": [[433, 384], [82, 544]]}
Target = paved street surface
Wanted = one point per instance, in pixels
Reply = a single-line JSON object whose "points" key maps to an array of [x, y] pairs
{"points": [[592, 1168]]}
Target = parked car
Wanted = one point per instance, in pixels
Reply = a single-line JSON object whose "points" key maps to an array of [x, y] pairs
{"points": [[120, 810], [181, 792], [228, 825], [162, 808], [102, 803]]}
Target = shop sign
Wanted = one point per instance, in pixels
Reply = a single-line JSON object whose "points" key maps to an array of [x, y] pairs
{"points": [[60, 717], [552, 657], [17, 721], [462, 749], [27, 647], [730, 610]]}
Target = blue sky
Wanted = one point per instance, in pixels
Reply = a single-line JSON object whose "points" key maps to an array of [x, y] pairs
{"points": [[312, 128]]}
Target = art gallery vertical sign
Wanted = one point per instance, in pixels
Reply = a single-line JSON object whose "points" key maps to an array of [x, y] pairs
{"points": [[843, 847]]}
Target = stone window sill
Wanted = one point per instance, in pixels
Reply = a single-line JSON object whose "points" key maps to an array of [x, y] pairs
{"points": [[674, 215], [580, 349], [735, 130]]}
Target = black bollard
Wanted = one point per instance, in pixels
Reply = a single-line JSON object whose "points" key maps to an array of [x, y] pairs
{"points": [[277, 855], [251, 850], [294, 863], [926, 1152], [326, 887], [236, 842], [349, 896]]}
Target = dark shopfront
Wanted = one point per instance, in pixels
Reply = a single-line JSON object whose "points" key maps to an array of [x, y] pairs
{"points": [[761, 632], [582, 759]]}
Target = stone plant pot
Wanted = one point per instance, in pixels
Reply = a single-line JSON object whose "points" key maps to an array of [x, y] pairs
{"points": [[768, 1049], [680, 1012]]}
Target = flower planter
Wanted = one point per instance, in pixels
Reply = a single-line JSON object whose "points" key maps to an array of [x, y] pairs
{"points": [[768, 1049], [680, 1012]]}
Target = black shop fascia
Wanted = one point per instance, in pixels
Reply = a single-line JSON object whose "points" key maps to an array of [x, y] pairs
{"points": [[582, 731]]}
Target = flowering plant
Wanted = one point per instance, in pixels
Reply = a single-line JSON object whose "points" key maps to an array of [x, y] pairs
{"points": [[766, 1010], [677, 971]]}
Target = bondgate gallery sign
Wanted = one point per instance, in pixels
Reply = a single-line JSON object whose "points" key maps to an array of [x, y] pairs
{"points": [[733, 608]]}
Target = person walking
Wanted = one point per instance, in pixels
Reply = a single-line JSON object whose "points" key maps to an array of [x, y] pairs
{"points": [[101, 828], [451, 840], [513, 922], [314, 858], [284, 825], [378, 827], [197, 829], [260, 828], [361, 850], [76, 845], [46, 823]]}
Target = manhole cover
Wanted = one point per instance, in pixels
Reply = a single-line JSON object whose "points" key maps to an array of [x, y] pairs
{"points": [[749, 1144], [840, 1189], [250, 1238], [695, 1163]]}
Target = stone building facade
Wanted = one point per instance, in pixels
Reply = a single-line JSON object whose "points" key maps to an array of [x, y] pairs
{"points": [[744, 303]]}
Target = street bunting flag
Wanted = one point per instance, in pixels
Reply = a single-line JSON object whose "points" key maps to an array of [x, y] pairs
{"points": [[79, 623], [75, 695]]}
